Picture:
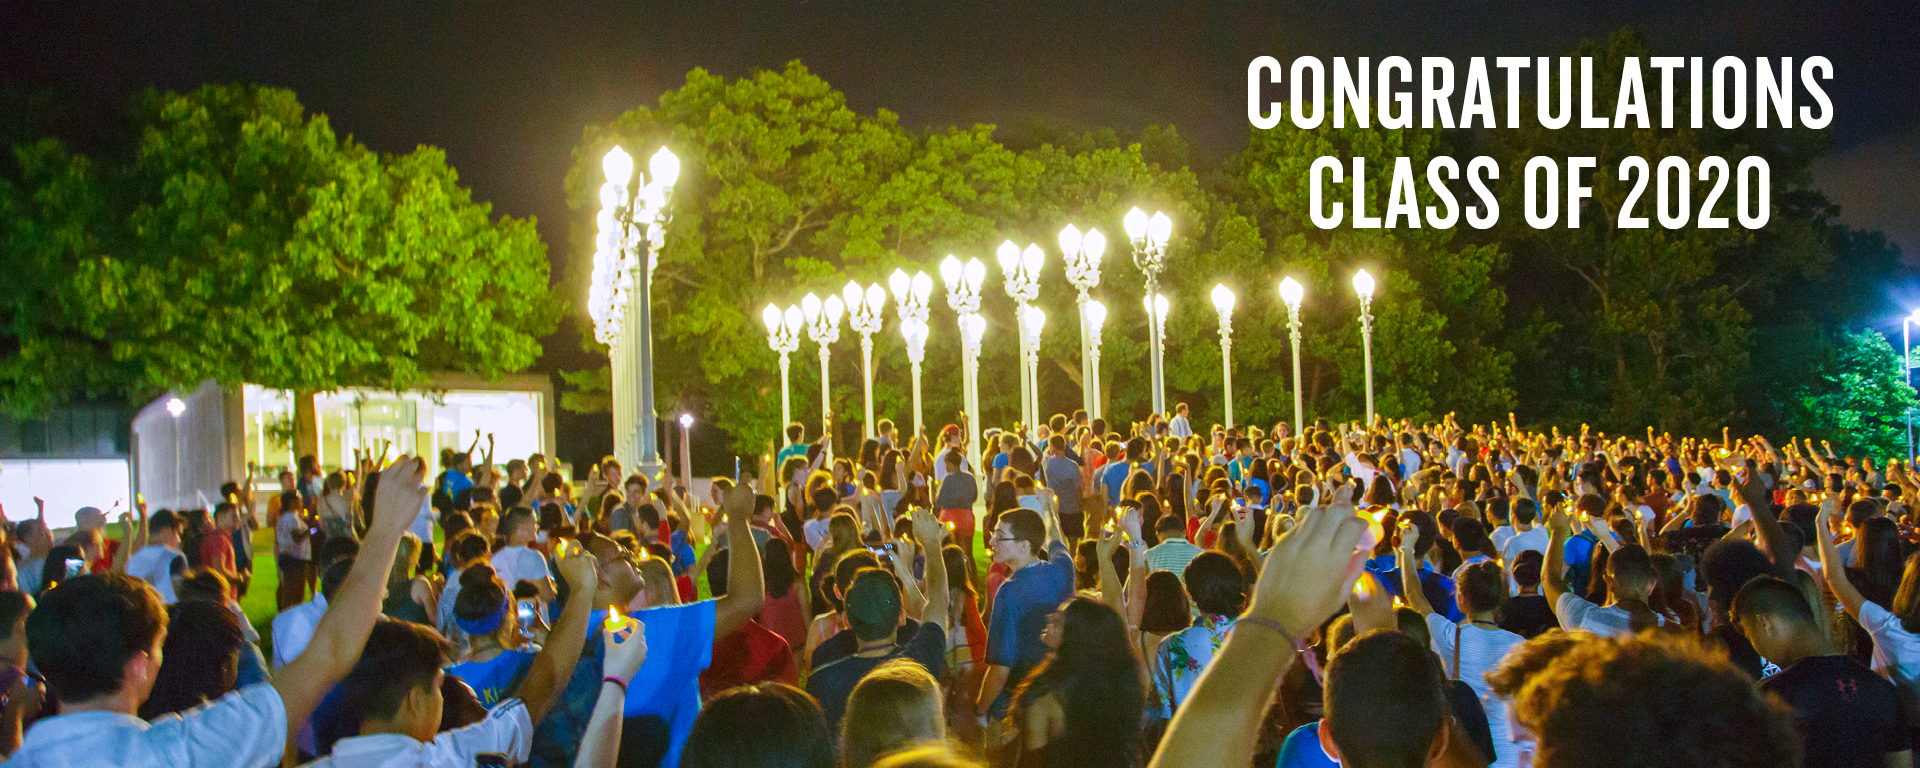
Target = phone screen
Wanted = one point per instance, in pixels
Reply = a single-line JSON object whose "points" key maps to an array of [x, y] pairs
{"points": [[75, 567], [526, 609]]}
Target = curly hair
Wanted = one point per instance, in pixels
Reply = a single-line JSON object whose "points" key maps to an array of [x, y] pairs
{"points": [[1652, 700]]}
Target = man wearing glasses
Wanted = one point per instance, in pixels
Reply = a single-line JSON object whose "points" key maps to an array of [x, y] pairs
{"points": [[1042, 579]]}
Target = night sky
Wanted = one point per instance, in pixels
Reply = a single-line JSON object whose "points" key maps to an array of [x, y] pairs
{"points": [[506, 89]]}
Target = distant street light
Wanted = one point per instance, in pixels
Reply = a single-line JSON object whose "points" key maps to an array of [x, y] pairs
{"points": [[1082, 254], [783, 334], [1291, 292], [1363, 285], [1223, 301], [1149, 235]]}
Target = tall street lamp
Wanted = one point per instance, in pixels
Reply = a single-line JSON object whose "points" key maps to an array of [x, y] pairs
{"points": [[1031, 321], [1082, 254], [1022, 270], [1291, 292], [783, 334], [866, 311], [1363, 285], [686, 451], [1149, 237], [175, 407], [964, 282], [912, 296], [1096, 316], [823, 326], [1223, 301], [1156, 307], [631, 221]]}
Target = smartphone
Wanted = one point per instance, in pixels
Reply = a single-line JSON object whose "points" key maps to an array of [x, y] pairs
{"points": [[75, 567], [526, 611]]}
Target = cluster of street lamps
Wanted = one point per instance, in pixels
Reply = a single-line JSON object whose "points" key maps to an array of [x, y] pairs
{"points": [[1020, 267], [632, 220]]}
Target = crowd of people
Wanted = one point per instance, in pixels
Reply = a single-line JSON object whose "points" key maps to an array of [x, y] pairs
{"points": [[1360, 595]]}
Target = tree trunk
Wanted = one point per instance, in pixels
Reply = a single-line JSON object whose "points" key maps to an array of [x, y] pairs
{"points": [[306, 425]]}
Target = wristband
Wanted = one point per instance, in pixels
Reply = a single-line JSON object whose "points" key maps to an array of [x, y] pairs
{"points": [[615, 681]]}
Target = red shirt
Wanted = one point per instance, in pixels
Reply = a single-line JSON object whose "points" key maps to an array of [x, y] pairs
{"points": [[216, 551], [752, 654]]}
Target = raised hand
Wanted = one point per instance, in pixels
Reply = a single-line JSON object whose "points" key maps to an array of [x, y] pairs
{"points": [[624, 657], [581, 572], [1310, 570], [401, 493], [928, 531]]}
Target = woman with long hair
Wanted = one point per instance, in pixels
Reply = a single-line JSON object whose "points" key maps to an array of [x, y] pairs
{"points": [[409, 597], [1005, 496], [1670, 597], [498, 657], [785, 611], [966, 643], [1083, 705]]}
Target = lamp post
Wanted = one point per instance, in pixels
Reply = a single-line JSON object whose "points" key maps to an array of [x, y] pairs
{"points": [[1223, 301], [1082, 254], [1363, 285], [823, 326], [1022, 270], [912, 296], [686, 451], [175, 407], [866, 308], [1292, 292], [1095, 315], [631, 221], [1156, 306], [964, 282], [783, 334], [1031, 321], [1149, 237]]}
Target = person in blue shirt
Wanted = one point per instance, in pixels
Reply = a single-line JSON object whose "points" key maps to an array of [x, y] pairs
{"points": [[1113, 476], [1437, 588], [796, 445], [1042, 579]]}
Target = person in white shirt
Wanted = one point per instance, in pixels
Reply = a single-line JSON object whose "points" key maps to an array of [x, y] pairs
{"points": [[36, 540], [1178, 425], [98, 638], [1896, 650], [160, 563], [1525, 535], [293, 628], [516, 562], [1629, 581], [396, 689], [1470, 649]]}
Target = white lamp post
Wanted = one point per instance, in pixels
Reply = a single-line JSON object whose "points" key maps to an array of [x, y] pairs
{"points": [[1906, 369], [1291, 292], [1149, 237], [1156, 308], [964, 282], [1031, 321], [1223, 301], [866, 308], [686, 451], [1082, 254], [913, 297], [783, 334], [1363, 285], [632, 220], [823, 326], [1022, 270], [175, 407], [1096, 316]]}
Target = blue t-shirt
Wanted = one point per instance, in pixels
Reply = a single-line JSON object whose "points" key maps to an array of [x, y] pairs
{"points": [[1020, 611], [454, 481], [679, 647], [1114, 477], [1000, 462], [495, 679], [683, 555], [797, 450], [1437, 588], [1302, 749]]}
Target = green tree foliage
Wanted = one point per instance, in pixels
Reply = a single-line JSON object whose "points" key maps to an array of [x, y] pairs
{"points": [[1858, 398], [243, 241]]}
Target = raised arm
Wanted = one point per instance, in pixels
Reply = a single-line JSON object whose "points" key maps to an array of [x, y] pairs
{"points": [[746, 585], [1836, 568], [1410, 589], [1553, 577], [600, 745], [928, 532], [1766, 525], [551, 670], [343, 630]]}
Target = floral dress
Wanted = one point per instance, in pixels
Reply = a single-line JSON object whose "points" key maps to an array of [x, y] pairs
{"points": [[1181, 659]]}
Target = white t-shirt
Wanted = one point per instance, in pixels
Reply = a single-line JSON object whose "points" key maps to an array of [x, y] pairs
{"points": [[1500, 536], [1896, 652], [1178, 426], [243, 729], [293, 629], [422, 525], [283, 533], [158, 564], [1481, 649], [940, 464], [1534, 539], [507, 731], [517, 564], [1576, 612]]}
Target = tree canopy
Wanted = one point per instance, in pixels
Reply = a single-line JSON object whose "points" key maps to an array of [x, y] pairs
{"points": [[241, 240]]}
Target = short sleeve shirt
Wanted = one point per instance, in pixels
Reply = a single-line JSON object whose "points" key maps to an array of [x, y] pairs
{"points": [[833, 683], [1847, 716], [1113, 477], [1896, 652], [1020, 611], [679, 647], [517, 564], [243, 729], [506, 732], [158, 564], [495, 679], [1576, 612]]}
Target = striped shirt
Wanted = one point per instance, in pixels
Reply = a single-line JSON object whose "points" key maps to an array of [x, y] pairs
{"points": [[1172, 555]]}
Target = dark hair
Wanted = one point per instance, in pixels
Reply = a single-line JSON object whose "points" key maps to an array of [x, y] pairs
{"points": [[788, 730], [1727, 566], [1174, 524], [85, 630], [1096, 676], [1005, 497], [336, 548], [1166, 608], [1428, 530], [776, 564], [1216, 584], [1774, 598], [163, 520], [334, 576], [53, 570], [516, 517], [399, 658], [1483, 586], [1027, 526], [1525, 511], [1471, 536], [1526, 567], [481, 593], [204, 583], [13, 605], [200, 657], [468, 546], [873, 604], [1630, 565], [1878, 560], [959, 569], [1383, 700]]}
